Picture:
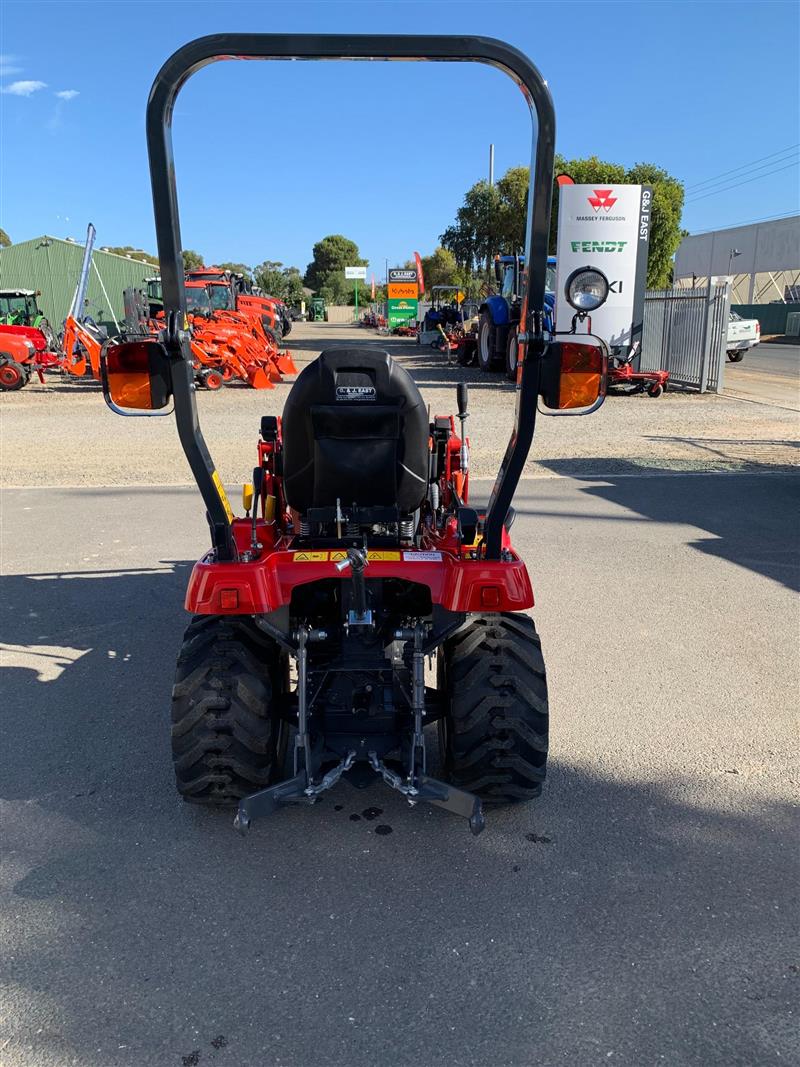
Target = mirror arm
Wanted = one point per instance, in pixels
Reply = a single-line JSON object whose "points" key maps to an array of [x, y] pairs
{"points": [[520, 442]]}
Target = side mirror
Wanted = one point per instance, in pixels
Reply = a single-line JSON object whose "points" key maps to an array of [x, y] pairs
{"points": [[574, 376], [136, 377]]}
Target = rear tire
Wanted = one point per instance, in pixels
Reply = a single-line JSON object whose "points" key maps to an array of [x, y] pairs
{"points": [[655, 390], [226, 735], [485, 342], [13, 376], [736, 355], [493, 735]]}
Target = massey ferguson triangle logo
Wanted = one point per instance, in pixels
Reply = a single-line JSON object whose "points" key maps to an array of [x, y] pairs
{"points": [[602, 199]]}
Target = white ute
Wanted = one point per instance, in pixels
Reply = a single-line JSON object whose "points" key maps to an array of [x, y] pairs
{"points": [[742, 334]]}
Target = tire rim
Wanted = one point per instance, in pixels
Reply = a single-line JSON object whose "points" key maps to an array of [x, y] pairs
{"points": [[513, 354], [9, 376], [484, 343]]}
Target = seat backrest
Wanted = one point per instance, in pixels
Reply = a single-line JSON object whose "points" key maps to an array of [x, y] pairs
{"points": [[355, 429]]}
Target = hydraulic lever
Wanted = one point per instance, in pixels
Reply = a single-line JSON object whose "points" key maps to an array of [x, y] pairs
{"points": [[463, 414], [258, 483], [358, 562]]}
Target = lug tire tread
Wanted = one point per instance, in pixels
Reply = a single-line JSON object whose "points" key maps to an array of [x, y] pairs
{"points": [[223, 734], [495, 733]]}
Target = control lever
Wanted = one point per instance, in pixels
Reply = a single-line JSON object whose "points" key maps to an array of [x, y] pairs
{"points": [[462, 392], [258, 485], [358, 562]]}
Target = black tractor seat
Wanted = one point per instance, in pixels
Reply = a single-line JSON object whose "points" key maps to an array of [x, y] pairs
{"points": [[355, 430]]}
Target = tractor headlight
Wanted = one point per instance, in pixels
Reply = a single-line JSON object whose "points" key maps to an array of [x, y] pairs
{"points": [[586, 289]]}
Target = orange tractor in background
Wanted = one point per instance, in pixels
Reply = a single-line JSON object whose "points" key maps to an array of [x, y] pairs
{"points": [[227, 344], [246, 298], [257, 315]]}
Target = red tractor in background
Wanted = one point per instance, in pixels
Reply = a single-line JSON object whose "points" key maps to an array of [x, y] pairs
{"points": [[27, 342]]}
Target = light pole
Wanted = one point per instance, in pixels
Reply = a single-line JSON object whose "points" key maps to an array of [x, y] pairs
{"points": [[734, 253]]}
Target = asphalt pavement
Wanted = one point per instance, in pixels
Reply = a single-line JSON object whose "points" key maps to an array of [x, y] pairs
{"points": [[642, 912], [768, 374]]}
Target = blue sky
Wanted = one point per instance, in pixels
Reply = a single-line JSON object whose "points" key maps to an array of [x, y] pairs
{"points": [[271, 157]]}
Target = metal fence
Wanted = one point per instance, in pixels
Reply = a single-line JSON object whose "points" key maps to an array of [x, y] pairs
{"points": [[684, 332]]}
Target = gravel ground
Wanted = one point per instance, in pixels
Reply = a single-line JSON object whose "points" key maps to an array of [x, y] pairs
{"points": [[61, 433]]}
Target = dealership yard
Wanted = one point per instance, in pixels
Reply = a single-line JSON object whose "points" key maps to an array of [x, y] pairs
{"points": [[641, 912], [85, 445]]}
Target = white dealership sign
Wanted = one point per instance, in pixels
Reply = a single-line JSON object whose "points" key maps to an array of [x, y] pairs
{"points": [[355, 274], [607, 227]]}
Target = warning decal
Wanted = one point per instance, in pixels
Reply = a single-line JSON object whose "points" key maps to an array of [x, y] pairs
{"points": [[222, 495], [335, 557], [422, 557]]}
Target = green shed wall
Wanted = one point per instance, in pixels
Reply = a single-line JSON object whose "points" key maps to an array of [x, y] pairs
{"points": [[771, 316], [53, 266]]}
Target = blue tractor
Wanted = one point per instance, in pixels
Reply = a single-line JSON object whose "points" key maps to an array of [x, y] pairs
{"points": [[499, 314]]}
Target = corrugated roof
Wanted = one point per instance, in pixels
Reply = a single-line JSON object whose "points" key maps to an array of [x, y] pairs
{"points": [[52, 265]]}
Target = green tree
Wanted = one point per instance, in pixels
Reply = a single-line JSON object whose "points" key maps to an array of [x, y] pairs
{"points": [[191, 260], [269, 277], [440, 268], [293, 292], [325, 273], [238, 268], [5, 240], [284, 283], [512, 190], [473, 237]]}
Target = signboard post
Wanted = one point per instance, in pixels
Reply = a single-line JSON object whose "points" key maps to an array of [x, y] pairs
{"points": [[608, 228], [402, 296], [354, 274]]}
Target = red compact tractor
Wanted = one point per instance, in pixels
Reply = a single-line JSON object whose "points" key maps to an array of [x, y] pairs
{"points": [[359, 553], [27, 343]]}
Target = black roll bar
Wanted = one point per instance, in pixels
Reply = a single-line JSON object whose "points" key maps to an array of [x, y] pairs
{"points": [[189, 59]]}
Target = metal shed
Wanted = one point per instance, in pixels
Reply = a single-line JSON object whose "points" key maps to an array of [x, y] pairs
{"points": [[763, 259], [52, 265]]}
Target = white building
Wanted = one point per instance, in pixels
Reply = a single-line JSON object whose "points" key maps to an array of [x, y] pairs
{"points": [[765, 270]]}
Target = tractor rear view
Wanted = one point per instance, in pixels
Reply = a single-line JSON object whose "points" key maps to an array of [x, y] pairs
{"points": [[316, 311], [359, 554]]}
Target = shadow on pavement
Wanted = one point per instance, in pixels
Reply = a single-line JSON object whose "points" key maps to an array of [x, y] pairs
{"points": [[754, 520], [614, 916]]}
